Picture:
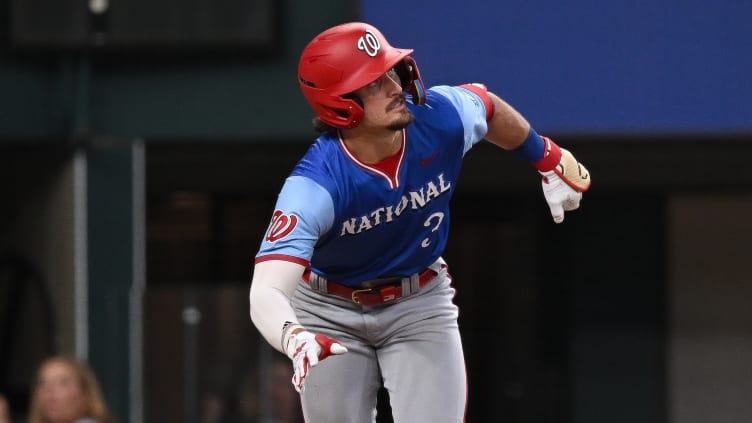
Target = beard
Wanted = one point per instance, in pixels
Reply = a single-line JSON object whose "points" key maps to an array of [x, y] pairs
{"points": [[402, 122]]}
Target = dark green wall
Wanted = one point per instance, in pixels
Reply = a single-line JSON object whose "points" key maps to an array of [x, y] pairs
{"points": [[163, 96], [105, 101]]}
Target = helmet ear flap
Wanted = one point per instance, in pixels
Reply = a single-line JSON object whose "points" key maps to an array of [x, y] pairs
{"points": [[409, 74], [341, 112], [354, 98]]}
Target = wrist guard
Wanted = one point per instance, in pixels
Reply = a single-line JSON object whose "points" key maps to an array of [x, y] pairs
{"points": [[563, 163]]}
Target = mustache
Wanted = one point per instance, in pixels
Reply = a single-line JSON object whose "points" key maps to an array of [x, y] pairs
{"points": [[399, 101]]}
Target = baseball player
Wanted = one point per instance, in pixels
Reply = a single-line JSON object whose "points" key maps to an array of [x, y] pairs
{"points": [[350, 266]]}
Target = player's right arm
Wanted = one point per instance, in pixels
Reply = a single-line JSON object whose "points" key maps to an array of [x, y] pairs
{"points": [[273, 284], [303, 213]]}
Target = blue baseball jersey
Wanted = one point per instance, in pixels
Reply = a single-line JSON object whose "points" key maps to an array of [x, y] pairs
{"points": [[351, 222]]}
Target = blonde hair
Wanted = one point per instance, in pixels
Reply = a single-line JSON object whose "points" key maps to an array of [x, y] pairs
{"points": [[95, 407]]}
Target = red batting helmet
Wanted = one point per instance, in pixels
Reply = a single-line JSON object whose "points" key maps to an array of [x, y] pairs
{"points": [[345, 58]]}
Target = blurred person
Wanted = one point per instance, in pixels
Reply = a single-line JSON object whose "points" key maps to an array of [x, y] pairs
{"points": [[264, 395], [66, 391], [283, 403], [5, 416], [350, 267]]}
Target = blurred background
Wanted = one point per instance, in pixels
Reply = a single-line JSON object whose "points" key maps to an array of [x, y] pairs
{"points": [[143, 143]]}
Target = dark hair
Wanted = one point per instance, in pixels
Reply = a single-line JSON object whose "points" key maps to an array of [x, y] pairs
{"points": [[322, 127]]}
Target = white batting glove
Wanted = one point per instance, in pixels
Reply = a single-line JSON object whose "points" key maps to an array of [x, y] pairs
{"points": [[559, 195], [564, 184], [306, 349]]}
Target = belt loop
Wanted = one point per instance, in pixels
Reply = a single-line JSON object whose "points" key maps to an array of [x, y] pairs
{"points": [[414, 282], [312, 281], [318, 283], [406, 286]]}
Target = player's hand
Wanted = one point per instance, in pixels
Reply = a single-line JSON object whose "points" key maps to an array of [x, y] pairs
{"points": [[306, 349], [559, 196], [564, 184]]}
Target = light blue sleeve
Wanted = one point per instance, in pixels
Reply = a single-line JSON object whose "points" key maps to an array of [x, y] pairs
{"points": [[303, 214], [472, 112]]}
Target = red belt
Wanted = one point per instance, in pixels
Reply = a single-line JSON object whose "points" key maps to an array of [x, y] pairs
{"points": [[372, 296]]}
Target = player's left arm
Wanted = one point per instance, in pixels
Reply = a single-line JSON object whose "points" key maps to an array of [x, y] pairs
{"points": [[564, 178]]}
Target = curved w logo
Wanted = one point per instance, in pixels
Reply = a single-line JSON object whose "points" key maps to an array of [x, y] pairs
{"points": [[281, 225], [369, 43]]}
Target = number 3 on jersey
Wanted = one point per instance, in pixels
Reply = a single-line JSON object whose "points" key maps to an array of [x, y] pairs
{"points": [[435, 219]]}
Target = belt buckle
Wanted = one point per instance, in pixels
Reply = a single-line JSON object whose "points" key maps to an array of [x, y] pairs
{"points": [[354, 294], [387, 293]]}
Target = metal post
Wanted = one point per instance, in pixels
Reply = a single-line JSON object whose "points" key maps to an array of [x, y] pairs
{"points": [[191, 319]]}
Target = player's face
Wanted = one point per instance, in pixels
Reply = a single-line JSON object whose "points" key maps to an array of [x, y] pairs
{"points": [[384, 103]]}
